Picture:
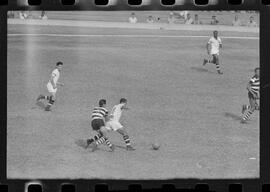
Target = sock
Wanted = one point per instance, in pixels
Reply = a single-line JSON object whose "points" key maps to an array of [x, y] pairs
{"points": [[108, 143], [96, 137], [51, 101], [127, 140], [218, 68], [247, 115], [100, 141]]}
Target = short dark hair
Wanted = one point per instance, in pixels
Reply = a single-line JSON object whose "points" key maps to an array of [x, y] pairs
{"points": [[102, 102], [59, 63], [257, 68], [123, 100]]}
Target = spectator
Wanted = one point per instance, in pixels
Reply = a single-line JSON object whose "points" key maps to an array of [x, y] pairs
{"points": [[251, 22], [43, 15], [132, 19], [10, 14], [150, 19], [22, 15], [189, 20], [196, 20], [184, 14], [236, 21], [171, 18], [214, 20]]}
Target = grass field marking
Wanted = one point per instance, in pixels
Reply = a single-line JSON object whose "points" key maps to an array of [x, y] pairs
{"points": [[131, 36]]}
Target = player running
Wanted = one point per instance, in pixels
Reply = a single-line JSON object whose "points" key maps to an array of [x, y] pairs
{"points": [[99, 116], [52, 86], [213, 46], [253, 88], [114, 125]]}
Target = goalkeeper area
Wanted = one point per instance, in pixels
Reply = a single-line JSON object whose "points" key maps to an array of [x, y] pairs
{"points": [[190, 110]]}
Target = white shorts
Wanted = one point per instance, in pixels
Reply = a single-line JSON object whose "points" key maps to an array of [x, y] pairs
{"points": [[50, 88], [113, 125]]}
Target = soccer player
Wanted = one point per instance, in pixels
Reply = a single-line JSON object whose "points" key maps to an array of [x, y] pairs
{"points": [[114, 124], [253, 88], [99, 116], [52, 86], [213, 46]]}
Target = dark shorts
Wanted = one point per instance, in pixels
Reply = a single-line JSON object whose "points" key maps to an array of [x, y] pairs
{"points": [[97, 124], [250, 95], [215, 58]]}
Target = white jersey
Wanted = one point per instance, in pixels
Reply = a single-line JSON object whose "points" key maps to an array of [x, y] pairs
{"points": [[132, 20], [55, 75], [117, 112], [214, 45]]}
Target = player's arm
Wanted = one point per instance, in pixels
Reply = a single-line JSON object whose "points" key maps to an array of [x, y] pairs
{"points": [[249, 88], [106, 116], [125, 108], [61, 84], [220, 43], [208, 48]]}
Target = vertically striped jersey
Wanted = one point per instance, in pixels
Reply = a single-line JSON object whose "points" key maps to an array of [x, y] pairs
{"points": [[255, 85], [99, 113]]}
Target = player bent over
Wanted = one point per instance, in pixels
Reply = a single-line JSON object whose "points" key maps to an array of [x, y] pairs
{"points": [[114, 124], [213, 46], [99, 115], [253, 95], [52, 86]]}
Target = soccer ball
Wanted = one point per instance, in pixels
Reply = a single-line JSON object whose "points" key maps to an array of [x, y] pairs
{"points": [[155, 146]]}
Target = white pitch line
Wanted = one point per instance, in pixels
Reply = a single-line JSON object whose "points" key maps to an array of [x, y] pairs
{"points": [[132, 36]]}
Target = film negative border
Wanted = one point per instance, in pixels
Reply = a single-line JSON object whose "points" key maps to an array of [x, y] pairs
{"points": [[144, 5], [261, 184]]}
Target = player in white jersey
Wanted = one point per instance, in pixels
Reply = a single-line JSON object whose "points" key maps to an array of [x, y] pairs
{"points": [[213, 46], [114, 122], [52, 86]]}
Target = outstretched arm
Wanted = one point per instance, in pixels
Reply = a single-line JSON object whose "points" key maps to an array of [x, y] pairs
{"points": [[208, 48], [61, 84]]}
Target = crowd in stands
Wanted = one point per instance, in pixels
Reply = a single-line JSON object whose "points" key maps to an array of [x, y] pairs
{"points": [[186, 18], [27, 15]]}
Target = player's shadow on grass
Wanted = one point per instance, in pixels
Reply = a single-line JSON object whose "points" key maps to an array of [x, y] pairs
{"points": [[233, 116], [200, 69], [41, 105], [80, 143]]}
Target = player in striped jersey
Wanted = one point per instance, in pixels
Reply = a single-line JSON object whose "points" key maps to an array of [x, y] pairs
{"points": [[99, 116], [253, 95]]}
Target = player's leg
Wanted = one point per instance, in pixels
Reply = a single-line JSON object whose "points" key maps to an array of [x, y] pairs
{"points": [[51, 101], [95, 138], [208, 60], [250, 110], [216, 61], [101, 137], [126, 138], [96, 124]]}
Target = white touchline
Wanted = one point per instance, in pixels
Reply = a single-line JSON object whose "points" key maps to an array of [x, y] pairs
{"points": [[132, 36]]}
